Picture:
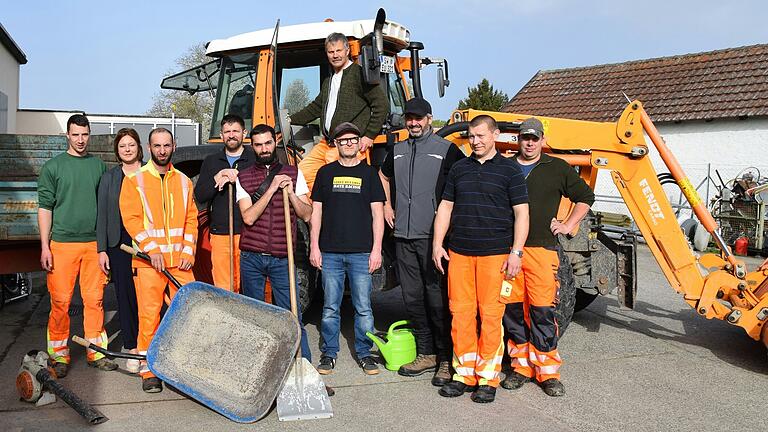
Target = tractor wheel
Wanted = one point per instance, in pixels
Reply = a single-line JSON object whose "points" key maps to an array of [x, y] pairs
{"points": [[307, 274], [566, 294]]}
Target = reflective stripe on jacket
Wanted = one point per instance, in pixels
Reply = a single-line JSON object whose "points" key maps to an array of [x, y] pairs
{"points": [[160, 214]]}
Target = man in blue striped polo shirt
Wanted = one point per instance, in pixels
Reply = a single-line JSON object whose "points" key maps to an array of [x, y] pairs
{"points": [[485, 205]]}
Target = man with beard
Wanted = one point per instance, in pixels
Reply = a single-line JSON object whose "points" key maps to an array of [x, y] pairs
{"points": [[417, 168], [263, 245], [66, 192], [218, 172], [161, 217]]}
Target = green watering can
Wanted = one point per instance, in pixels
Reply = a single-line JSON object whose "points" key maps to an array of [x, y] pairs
{"points": [[400, 347]]}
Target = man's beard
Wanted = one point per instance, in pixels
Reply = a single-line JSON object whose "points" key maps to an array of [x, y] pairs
{"points": [[162, 164], [233, 144], [267, 159]]}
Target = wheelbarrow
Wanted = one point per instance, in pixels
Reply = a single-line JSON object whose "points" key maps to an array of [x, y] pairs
{"points": [[229, 352]]}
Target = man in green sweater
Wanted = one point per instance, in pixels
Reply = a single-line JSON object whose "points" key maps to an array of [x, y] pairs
{"points": [[533, 333], [66, 190], [344, 97]]}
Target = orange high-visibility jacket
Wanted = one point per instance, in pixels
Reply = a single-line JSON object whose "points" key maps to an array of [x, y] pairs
{"points": [[160, 214]]}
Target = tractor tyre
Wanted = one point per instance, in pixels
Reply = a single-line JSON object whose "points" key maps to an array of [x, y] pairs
{"points": [[566, 293]]}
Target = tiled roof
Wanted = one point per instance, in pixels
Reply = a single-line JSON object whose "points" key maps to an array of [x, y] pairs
{"points": [[727, 83]]}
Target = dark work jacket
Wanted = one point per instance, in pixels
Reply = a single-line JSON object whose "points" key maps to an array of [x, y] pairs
{"points": [[550, 180], [267, 234], [108, 220], [217, 201]]}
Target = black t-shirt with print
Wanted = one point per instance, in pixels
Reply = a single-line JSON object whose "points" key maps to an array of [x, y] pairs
{"points": [[347, 194]]}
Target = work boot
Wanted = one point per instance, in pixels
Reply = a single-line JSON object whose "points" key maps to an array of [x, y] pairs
{"points": [[421, 364], [443, 374], [514, 381], [455, 389], [368, 364], [553, 387], [326, 365], [104, 364], [60, 369], [152, 385], [484, 394]]}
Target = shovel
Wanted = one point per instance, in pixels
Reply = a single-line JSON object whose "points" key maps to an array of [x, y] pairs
{"points": [[304, 396]]}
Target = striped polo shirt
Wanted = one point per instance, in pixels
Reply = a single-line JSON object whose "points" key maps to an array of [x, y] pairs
{"points": [[483, 195]]}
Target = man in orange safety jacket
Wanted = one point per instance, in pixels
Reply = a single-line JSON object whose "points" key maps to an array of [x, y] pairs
{"points": [[159, 213]]}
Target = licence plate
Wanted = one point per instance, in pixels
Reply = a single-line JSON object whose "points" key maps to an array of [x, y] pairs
{"points": [[387, 65]]}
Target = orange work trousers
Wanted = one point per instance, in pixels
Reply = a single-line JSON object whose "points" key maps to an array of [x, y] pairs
{"points": [[71, 260], [150, 289], [474, 288], [220, 261], [530, 316], [320, 155]]}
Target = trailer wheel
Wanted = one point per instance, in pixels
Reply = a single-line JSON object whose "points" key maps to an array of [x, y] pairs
{"points": [[307, 274], [566, 294]]}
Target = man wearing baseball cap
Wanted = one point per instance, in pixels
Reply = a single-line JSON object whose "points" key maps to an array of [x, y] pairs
{"points": [[346, 230], [415, 171], [533, 333]]}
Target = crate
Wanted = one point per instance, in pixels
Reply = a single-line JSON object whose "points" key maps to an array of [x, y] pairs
{"points": [[743, 216]]}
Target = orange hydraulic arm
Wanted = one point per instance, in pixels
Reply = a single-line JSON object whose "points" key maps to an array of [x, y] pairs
{"points": [[716, 286]]}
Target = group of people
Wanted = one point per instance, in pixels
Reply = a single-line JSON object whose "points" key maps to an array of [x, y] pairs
{"points": [[475, 237]]}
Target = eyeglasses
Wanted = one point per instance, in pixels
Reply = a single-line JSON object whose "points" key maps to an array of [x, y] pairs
{"points": [[347, 141]]}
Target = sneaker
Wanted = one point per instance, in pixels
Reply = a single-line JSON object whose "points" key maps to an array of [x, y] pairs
{"points": [[104, 364], [484, 394], [553, 387], [455, 389], [60, 369], [443, 374], [152, 385], [421, 364], [133, 366], [326, 365], [368, 364], [514, 381]]}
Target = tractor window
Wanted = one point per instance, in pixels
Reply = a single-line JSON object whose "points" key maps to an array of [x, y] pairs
{"points": [[235, 91], [298, 87], [396, 99]]}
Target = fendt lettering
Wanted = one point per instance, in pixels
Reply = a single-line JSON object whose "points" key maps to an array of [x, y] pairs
{"points": [[654, 209]]}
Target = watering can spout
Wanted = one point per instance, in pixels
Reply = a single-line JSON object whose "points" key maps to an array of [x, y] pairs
{"points": [[383, 348]]}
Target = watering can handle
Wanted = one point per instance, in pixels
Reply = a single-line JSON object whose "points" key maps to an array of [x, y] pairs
{"points": [[397, 324]]}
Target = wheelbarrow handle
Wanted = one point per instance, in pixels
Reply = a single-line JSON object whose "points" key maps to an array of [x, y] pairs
{"points": [[80, 341], [139, 254]]}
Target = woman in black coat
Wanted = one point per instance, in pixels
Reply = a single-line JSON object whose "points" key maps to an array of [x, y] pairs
{"points": [[110, 234]]}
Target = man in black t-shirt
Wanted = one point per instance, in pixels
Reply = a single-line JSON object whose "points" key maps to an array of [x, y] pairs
{"points": [[346, 232]]}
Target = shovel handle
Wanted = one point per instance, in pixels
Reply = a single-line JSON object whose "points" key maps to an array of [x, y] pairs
{"points": [[291, 264], [141, 255], [80, 341]]}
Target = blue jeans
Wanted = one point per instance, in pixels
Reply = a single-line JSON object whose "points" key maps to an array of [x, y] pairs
{"points": [[335, 267], [255, 268]]}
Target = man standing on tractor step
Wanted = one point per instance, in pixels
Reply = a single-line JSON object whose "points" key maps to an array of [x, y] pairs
{"points": [[344, 97], [486, 206], [67, 189], [346, 232], [418, 168], [263, 245], [218, 172], [159, 213], [529, 319]]}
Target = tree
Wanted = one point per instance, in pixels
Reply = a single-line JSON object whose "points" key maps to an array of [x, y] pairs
{"points": [[197, 106], [484, 97], [296, 96]]}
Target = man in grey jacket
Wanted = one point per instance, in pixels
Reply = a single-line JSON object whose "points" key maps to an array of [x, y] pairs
{"points": [[413, 174]]}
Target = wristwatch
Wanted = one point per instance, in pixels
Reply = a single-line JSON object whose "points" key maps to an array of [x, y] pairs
{"points": [[517, 252]]}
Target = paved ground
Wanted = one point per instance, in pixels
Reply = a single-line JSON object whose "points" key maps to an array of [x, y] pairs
{"points": [[659, 367]]}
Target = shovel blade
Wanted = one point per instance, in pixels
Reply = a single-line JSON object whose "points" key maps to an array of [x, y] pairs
{"points": [[303, 396]]}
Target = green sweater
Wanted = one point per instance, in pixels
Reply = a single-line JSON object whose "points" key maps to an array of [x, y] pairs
{"points": [[67, 186], [551, 179], [363, 104]]}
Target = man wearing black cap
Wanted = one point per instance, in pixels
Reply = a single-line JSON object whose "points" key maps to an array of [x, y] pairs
{"points": [[533, 333], [345, 241], [415, 170]]}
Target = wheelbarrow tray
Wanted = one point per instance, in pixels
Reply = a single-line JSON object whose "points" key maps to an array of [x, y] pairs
{"points": [[227, 351]]}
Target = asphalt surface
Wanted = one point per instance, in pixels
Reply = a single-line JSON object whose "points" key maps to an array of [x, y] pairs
{"points": [[656, 368]]}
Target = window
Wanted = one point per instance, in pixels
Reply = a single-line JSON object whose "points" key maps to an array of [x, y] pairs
{"points": [[298, 87], [396, 100], [235, 90]]}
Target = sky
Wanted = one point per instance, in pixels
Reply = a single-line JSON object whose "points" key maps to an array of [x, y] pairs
{"points": [[110, 56]]}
